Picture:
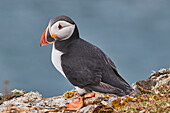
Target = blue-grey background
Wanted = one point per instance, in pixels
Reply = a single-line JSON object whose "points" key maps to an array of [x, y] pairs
{"points": [[135, 34]]}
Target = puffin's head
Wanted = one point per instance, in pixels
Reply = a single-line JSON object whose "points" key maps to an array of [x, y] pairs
{"points": [[59, 28]]}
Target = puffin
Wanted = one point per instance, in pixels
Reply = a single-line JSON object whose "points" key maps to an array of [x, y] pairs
{"points": [[85, 65]]}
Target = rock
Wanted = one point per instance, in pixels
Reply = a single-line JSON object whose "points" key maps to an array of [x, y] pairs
{"points": [[20, 101], [87, 109], [153, 82]]}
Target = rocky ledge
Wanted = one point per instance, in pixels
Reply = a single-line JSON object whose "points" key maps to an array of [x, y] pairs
{"points": [[150, 95]]}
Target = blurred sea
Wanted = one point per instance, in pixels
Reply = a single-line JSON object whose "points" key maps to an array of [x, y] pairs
{"points": [[135, 34]]}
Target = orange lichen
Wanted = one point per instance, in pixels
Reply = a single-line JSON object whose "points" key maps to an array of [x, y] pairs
{"points": [[123, 104], [44, 98], [69, 94], [107, 96], [116, 103], [128, 99]]}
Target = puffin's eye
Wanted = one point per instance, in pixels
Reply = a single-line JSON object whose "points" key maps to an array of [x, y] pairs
{"points": [[60, 26]]}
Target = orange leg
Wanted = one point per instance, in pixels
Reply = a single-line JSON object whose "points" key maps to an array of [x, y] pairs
{"points": [[78, 104]]}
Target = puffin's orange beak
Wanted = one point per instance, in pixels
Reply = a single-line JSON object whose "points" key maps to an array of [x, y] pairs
{"points": [[46, 37], [43, 40]]}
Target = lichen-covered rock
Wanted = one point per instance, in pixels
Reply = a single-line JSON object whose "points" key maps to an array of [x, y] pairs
{"points": [[154, 89], [87, 109], [34, 102], [153, 82], [14, 93]]}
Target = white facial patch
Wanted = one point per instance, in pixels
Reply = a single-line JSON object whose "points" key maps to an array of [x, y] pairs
{"points": [[65, 32]]}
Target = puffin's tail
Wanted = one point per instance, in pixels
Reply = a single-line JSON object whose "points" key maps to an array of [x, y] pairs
{"points": [[106, 88]]}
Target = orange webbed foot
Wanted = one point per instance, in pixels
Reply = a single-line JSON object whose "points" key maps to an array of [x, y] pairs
{"points": [[78, 104], [74, 105]]}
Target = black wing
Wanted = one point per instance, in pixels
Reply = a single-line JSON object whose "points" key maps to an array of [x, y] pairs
{"points": [[84, 73], [108, 60], [81, 71]]}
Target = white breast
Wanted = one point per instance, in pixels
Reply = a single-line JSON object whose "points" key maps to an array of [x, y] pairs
{"points": [[56, 60]]}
